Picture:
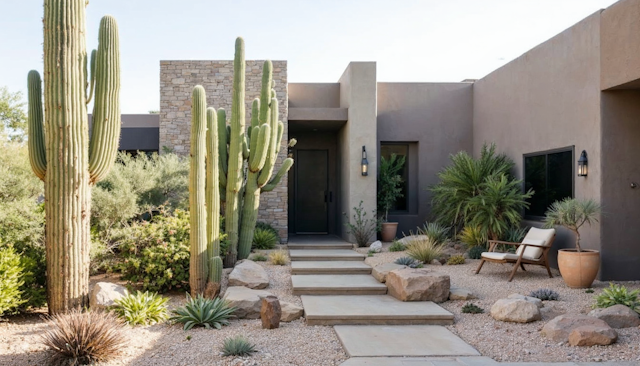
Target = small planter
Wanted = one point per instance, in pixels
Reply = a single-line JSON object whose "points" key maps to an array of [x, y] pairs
{"points": [[388, 232], [578, 269]]}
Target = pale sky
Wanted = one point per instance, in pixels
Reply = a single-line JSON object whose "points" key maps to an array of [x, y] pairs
{"points": [[411, 40]]}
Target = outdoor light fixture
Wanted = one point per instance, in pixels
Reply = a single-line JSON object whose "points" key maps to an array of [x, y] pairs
{"points": [[365, 163], [583, 164]]}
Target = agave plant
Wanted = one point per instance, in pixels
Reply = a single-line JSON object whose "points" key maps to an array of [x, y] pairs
{"points": [[237, 346], [204, 312], [141, 308], [435, 231], [409, 262]]}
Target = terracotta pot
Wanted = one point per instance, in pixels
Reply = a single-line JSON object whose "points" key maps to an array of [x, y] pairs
{"points": [[578, 269], [388, 232]]}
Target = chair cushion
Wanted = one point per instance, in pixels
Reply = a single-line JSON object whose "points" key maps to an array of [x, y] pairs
{"points": [[537, 237], [499, 256]]}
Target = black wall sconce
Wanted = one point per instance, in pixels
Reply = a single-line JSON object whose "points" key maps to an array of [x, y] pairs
{"points": [[365, 163], [583, 164]]}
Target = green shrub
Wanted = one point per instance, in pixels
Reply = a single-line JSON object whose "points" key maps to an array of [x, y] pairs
{"points": [[397, 246], [10, 281], [409, 262], [362, 227], [472, 236], [424, 250], [545, 294], [258, 258], [203, 312], [455, 259], [514, 234], [237, 346], [618, 294], [589, 291], [141, 308], [436, 232], [264, 239], [476, 252], [389, 183], [266, 226], [470, 308]]}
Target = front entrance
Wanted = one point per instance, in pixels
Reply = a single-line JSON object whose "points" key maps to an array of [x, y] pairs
{"points": [[312, 195]]}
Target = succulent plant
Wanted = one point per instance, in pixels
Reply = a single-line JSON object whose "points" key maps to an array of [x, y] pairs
{"points": [[545, 294], [470, 308], [409, 262], [455, 259]]}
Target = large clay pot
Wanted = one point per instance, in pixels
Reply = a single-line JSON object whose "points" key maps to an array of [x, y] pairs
{"points": [[578, 269], [389, 230]]}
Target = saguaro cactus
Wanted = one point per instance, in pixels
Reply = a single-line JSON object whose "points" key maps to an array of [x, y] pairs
{"points": [[60, 150]]}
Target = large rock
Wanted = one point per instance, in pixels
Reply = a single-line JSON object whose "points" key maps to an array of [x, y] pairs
{"points": [[559, 328], [290, 312], [376, 246], [249, 274], [104, 294], [246, 301], [380, 272], [411, 238], [515, 310], [270, 312], [418, 284], [589, 335], [617, 316], [534, 300], [457, 293]]}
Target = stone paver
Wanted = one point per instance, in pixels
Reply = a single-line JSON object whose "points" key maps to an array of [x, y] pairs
{"points": [[419, 361], [329, 267], [325, 255], [337, 285], [401, 340]]}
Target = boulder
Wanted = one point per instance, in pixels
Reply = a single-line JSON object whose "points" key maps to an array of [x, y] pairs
{"points": [[376, 246], [290, 312], [515, 310], [408, 239], [617, 316], [104, 294], [534, 300], [590, 335], [559, 328], [418, 284], [380, 272], [270, 312], [249, 274], [247, 302], [436, 262], [457, 293]]}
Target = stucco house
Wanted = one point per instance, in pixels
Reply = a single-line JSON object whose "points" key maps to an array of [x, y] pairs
{"points": [[578, 91]]}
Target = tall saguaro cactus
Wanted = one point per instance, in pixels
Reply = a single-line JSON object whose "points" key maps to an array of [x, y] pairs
{"points": [[61, 153]]}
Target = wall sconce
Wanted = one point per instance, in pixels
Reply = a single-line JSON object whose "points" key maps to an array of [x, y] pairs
{"points": [[583, 165], [365, 163]]}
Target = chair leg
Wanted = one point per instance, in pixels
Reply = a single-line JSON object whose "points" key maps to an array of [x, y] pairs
{"points": [[515, 268], [480, 266], [522, 266], [548, 269]]}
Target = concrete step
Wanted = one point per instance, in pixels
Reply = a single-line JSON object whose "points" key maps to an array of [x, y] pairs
{"points": [[316, 246], [424, 361], [337, 285], [325, 255], [329, 267], [372, 310]]}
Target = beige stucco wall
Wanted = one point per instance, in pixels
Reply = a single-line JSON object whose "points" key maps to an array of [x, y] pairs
{"points": [[438, 117], [620, 44], [314, 95], [548, 98], [358, 94]]}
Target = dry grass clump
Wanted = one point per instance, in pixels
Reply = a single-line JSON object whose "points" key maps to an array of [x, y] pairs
{"points": [[279, 257], [424, 250], [82, 338]]}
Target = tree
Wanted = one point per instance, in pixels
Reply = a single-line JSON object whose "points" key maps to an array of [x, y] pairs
{"points": [[13, 119]]}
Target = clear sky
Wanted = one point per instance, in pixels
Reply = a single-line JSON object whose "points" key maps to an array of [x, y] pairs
{"points": [[411, 40]]}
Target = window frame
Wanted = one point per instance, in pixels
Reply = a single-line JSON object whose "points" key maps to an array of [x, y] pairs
{"points": [[546, 153], [407, 144]]}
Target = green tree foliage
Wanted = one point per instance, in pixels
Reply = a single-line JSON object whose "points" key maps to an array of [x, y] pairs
{"points": [[10, 280], [572, 213], [389, 183], [13, 119]]}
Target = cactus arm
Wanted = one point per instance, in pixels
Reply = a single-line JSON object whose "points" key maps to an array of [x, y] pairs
{"points": [[260, 147], [245, 148], [272, 154], [105, 134], [37, 151], [92, 76], [213, 198], [286, 165], [267, 81], [222, 147]]}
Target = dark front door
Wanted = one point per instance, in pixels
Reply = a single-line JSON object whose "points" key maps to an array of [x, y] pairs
{"points": [[312, 193]]}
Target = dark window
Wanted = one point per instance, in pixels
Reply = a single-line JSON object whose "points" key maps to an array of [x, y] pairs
{"points": [[400, 149], [550, 175]]}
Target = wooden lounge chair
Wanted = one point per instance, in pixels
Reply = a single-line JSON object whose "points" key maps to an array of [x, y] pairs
{"points": [[533, 250]]}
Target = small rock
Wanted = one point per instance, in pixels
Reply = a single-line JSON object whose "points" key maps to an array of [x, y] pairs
{"points": [[457, 246], [515, 310], [419, 284], [104, 294], [617, 316], [376, 246], [589, 335], [436, 262], [408, 239], [537, 302], [290, 312], [247, 302], [249, 274], [380, 272], [270, 313], [559, 328], [457, 293]]}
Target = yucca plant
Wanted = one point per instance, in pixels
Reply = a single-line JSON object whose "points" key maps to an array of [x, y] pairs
{"points": [[82, 338], [472, 236], [424, 250], [203, 312], [279, 257], [264, 239], [237, 346], [618, 295], [572, 213], [141, 308], [435, 231], [515, 234]]}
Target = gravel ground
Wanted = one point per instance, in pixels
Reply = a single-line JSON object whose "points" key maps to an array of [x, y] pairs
{"points": [[293, 343], [513, 342]]}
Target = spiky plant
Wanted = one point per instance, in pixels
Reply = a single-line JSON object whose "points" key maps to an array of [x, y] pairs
{"points": [[279, 257], [396, 246], [572, 213], [409, 262], [141, 308], [618, 295], [515, 234], [470, 308], [237, 346], [82, 338], [545, 294], [264, 239], [204, 312], [435, 231], [258, 257], [424, 250], [472, 236], [455, 260]]}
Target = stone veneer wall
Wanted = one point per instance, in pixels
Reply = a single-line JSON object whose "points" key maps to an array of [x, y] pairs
{"points": [[177, 79]]}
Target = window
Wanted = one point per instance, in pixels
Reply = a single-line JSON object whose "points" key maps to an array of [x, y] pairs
{"points": [[550, 175], [400, 149]]}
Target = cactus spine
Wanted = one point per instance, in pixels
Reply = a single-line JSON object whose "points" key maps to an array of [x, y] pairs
{"points": [[61, 153]]}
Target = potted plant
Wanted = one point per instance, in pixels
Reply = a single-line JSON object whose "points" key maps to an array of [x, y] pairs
{"points": [[578, 267], [389, 190]]}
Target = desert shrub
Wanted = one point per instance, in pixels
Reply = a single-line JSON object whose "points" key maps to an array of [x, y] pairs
{"points": [[472, 236], [455, 259], [81, 338], [618, 295], [589, 291], [279, 257], [237, 346], [10, 281], [470, 308], [476, 252], [545, 294], [258, 258], [424, 250], [264, 239], [362, 227], [141, 308], [267, 226], [409, 262], [397, 246], [204, 312], [435, 231], [514, 234]]}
